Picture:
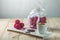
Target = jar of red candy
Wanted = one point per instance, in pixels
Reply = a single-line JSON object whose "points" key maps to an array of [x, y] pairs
{"points": [[33, 18]]}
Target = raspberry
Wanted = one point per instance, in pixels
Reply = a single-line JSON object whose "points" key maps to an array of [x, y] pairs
{"points": [[32, 19], [35, 27], [22, 25], [17, 21], [42, 20], [17, 26], [33, 22], [35, 18]]}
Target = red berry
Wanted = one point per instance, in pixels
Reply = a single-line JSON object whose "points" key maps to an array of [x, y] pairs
{"points": [[22, 25], [35, 27], [32, 19], [32, 23], [35, 18], [17, 26], [42, 20], [17, 21]]}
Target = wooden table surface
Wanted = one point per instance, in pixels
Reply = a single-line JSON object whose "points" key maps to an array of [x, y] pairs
{"points": [[8, 35]]}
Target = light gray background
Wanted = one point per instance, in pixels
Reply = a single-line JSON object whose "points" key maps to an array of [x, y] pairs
{"points": [[21, 8]]}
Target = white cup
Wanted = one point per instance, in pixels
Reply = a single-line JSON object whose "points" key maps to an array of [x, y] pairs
{"points": [[42, 29]]}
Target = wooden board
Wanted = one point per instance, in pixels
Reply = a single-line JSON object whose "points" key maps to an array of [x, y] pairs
{"points": [[8, 35]]}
